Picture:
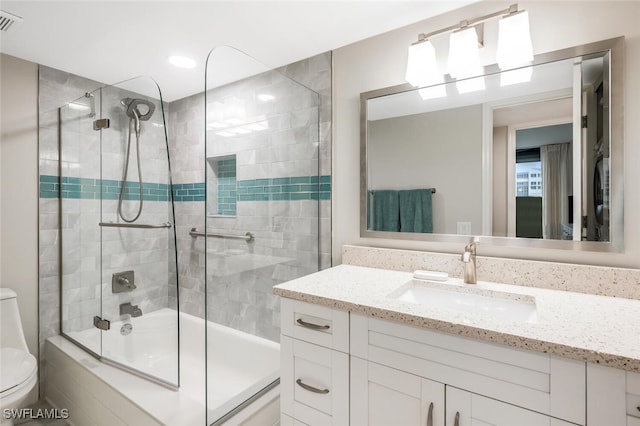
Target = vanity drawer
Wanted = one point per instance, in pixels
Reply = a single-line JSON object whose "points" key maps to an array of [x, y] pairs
{"points": [[532, 380], [314, 383], [633, 394], [315, 324]]}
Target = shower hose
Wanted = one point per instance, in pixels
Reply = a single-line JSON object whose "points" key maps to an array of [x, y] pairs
{"points": [[134, 120]]}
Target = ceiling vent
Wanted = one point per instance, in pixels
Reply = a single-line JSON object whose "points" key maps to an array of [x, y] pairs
{"points": [[7, 20]]}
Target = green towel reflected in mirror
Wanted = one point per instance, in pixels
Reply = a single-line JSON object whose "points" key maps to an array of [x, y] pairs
{"points": [[400, 211]]}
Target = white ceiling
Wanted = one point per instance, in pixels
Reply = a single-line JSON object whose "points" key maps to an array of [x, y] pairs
{"points": [[111, 41]]}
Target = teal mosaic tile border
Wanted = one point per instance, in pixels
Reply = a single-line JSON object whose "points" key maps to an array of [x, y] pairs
{"points": [[189, 191], [270, 189], [95, 189], [290, 188]]}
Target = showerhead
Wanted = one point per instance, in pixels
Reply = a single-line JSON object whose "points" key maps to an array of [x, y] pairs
{"points": [[138, 108]]}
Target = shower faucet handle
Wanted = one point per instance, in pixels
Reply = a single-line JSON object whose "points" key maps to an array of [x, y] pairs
{"points": [[123, 282]]}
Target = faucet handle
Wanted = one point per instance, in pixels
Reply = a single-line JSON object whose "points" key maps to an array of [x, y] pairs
{"points": [[472, 246]]}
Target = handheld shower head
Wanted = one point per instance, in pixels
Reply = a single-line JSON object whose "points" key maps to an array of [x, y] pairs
{"points": [[139, 109]]}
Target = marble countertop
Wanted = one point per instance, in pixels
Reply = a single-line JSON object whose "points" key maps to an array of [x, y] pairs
{"points": [[598, 329]]}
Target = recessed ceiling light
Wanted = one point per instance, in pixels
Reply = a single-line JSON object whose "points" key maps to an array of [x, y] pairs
{"points": [[265, 97], [182, 62]]}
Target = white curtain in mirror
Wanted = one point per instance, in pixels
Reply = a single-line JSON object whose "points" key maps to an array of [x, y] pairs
{"points": [[556, 162]]}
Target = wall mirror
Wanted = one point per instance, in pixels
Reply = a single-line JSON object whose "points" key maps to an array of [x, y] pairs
{"points": [[533, 161]]}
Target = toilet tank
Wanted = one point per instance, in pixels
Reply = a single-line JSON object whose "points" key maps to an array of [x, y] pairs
{"points": [[11, 333]]}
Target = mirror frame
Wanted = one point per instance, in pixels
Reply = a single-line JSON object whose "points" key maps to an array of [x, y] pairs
{"points": [[616, 191]]}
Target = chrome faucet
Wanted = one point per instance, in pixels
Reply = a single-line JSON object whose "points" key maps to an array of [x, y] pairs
{"points": [[469, 259]]}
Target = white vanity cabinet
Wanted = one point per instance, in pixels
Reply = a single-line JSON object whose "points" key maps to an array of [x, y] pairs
{"points": [[466, 408], [482, 383], [383, 396], [341, 368], [613, 395], [314, 352], [633, 398]]}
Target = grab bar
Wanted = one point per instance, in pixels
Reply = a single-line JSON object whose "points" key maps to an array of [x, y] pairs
{"points": [[248, 237], [134, 225]]}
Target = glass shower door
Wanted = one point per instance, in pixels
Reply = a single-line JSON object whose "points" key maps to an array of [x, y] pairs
{"points": [[262, 219], [118, 258], [79, 214], [138, 257]]}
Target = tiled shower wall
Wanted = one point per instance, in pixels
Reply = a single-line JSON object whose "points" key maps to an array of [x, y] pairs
{"points": [[283, 196]]}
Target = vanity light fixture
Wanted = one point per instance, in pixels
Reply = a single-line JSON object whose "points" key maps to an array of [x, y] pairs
{"points": [[422, 70], [514, 48], [464, 60], [514, 51], [514, 41], [464, 55]]}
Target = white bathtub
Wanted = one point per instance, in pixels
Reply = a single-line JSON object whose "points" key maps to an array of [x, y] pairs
{"points": [[238, 365]]}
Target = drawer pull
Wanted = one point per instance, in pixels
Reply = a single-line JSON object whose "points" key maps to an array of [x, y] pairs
{"points": [[638, 407], [311, 388], [456, 421], [430, 415], [311, 325]]}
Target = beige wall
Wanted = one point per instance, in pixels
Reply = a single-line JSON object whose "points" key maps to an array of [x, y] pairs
{"points": [[380, 62], [19, 188]]}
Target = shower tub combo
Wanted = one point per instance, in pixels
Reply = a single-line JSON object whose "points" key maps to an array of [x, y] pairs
{"points": [[98, 393], [130, 350]]}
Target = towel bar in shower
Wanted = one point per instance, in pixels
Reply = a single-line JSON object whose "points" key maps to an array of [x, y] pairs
{"points": [[134, 225], [248, 237]]}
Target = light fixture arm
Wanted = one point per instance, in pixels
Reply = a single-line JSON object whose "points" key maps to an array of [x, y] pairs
{"points": [[468, 22]]}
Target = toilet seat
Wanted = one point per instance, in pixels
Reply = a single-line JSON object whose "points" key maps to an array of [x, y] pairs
{"points": [[18, 370]]}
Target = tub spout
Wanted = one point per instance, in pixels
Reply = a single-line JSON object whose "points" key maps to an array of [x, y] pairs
{"points": [[129, 309]]}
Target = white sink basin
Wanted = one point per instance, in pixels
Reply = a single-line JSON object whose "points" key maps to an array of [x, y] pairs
{"points": [[469, 299]]}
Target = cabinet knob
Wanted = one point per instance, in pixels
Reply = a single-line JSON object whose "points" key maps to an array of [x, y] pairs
{"points": [[430, 415], [311, 325], [311, 388], [456, 421]]}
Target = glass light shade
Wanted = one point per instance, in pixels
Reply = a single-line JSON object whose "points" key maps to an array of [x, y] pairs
{"points": [[514, 41], [422, 68], [464, 58], [519, 75]]}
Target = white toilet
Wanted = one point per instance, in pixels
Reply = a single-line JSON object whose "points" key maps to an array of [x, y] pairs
{"points": [[18, 368]]}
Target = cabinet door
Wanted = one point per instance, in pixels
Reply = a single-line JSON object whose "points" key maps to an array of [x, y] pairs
{"points": [[383, 396], [314, 383], [468, 409]]}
